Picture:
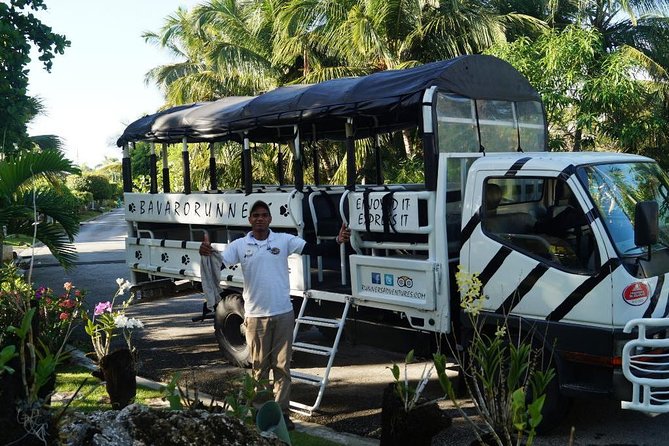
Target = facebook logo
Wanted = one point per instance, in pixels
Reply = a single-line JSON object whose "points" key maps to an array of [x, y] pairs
{"points": [[376, 278]]}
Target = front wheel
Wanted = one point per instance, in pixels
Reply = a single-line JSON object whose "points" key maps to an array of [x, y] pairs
{"points": [[230, 331]]}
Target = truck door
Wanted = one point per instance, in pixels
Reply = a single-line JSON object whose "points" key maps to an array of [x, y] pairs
{"points": [[535, 250]]}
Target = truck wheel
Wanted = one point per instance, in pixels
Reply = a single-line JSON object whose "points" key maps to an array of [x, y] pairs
{"points": [[230, 331]]}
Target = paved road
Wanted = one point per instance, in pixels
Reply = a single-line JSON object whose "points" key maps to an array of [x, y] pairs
{"points": [[170, 342], [101, 248]]}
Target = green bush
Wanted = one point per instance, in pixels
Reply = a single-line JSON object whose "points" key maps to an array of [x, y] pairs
{"points": [[98, 185]]}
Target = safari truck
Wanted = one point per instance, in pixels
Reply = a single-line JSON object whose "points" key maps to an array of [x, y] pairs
{"points": [[571, 248]]}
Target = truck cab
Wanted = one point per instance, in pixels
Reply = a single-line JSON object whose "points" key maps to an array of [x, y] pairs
{"points": [[555, 247]]}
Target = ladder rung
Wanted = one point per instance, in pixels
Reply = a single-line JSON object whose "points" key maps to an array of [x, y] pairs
{"points": [[322, 322], [312, 348], [302, 409], [305, 378]]}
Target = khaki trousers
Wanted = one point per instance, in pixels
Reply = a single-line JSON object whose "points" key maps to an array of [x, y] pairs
{"points": [[270, 340]]}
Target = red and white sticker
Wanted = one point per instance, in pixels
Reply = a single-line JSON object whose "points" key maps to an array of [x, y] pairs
{"points": [[636, 293]]}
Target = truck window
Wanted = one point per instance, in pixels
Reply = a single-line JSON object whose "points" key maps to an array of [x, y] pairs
{"points": [[469, 126], [542, 218], [616, 189]]}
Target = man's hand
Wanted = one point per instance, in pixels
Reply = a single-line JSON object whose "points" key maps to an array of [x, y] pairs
{"points": [[205, 247], [344, 234]]}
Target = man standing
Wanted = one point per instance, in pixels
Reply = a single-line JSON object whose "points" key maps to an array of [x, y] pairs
{"points": [[269, 319]]}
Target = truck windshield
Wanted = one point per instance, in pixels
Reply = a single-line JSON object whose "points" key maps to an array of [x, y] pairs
{"points": [[617, 188]]}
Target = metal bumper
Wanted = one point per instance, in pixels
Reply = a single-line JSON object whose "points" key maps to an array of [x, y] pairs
{"points": [[645, 363]]}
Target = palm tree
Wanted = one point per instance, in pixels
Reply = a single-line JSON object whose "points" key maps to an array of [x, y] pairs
{"points": [[22, 203], [223, 47], [336, 38], [364, 36], [230, 47]]}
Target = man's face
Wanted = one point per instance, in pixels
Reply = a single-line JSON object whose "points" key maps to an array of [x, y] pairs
{"points": [[260, 219]]}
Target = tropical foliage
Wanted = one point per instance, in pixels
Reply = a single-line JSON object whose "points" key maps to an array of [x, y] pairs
{"points": [[38, 211], [592, 97], [600, 65], [35, 326], [20, 31]]}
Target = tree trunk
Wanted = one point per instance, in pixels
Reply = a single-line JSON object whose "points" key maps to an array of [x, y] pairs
{"points": [[578, 135], [406, 137]]}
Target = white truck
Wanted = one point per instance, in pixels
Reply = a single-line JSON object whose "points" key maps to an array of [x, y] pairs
{"points": [[571, 247]]}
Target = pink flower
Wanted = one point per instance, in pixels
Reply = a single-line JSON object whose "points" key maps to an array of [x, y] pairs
{"points": [[102, 307], [77, 293], [64, 316]]}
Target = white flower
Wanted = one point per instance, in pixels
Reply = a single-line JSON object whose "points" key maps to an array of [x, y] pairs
{"points": [[121, 321], [129, 323], [134, 323], [123, 286]]}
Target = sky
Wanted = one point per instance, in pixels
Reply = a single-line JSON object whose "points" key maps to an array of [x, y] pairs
{"points": [[96, 88]]}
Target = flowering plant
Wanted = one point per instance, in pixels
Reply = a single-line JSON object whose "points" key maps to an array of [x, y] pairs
{"points": [[57, 312], [503, 373], [107, 322]]}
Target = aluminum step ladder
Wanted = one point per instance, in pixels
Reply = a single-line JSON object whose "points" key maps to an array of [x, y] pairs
{"points": [[316, 380]]}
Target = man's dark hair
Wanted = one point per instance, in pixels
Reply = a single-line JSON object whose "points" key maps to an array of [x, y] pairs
{"points": [[260, 204]]}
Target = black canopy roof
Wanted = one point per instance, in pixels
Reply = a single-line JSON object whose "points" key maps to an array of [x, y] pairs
{"points": [[379, 102]]}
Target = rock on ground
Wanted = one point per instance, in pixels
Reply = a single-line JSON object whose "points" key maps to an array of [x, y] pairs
{"points": [[138, 425]]}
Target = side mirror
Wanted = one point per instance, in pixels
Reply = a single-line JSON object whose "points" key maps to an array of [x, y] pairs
{"points": [[646, 226]]}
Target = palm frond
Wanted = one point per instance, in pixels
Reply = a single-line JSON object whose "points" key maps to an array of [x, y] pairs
{"points": [[15, 172], [48, 142]]}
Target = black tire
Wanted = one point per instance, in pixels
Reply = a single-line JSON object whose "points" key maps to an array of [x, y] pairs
{"points": [[230, 331]]}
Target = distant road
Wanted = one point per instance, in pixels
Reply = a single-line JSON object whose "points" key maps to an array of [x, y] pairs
{"points": [[100, 246]]}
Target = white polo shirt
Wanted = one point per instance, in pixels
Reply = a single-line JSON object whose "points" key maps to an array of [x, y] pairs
{"points": [[265, 269]]}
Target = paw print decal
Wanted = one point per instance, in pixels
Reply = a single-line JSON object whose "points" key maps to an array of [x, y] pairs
{"points": [[138, 254], [132, 208], [185, 260], [283, 210], [164, 257], [233, 267]]}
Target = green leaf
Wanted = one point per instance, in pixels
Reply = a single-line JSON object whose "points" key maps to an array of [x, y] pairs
{"points": [[534, 410], [396, 372], [171, 394], [6, 355], [22, 331]]}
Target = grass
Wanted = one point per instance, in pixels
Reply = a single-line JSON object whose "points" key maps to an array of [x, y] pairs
{"points": [[18, 240], [93, 397]]}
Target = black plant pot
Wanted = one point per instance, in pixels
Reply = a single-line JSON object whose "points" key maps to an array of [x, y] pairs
{"points": [[11, 393], [416, 427], [117, 369]]}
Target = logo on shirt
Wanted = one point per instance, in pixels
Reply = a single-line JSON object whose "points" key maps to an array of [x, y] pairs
{"points": [[275, 251]]}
